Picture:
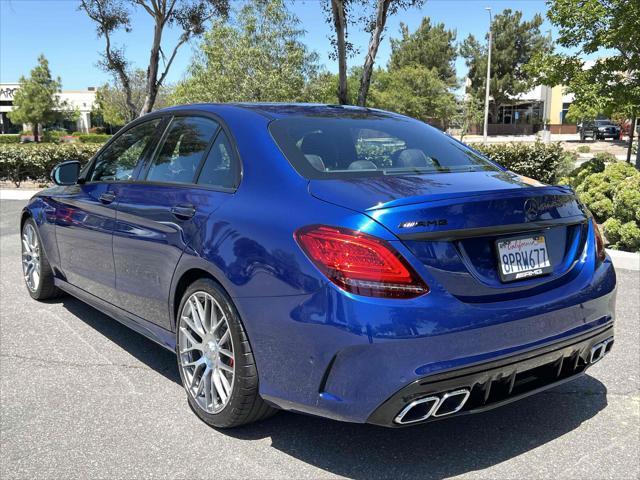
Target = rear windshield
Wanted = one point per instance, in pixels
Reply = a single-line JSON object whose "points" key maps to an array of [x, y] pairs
{"points": [[369, 145]]}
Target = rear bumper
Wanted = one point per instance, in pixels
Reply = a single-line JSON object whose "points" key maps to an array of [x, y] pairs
{"points": [[345, 357], [493, 384]]}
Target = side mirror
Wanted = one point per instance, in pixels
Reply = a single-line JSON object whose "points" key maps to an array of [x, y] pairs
{"points": [[66, 173]]}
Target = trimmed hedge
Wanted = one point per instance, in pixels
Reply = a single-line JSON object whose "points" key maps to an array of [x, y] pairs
{"points": [[545, 162], [611, 190], [34, 161], [93, 138], [9, 138]]}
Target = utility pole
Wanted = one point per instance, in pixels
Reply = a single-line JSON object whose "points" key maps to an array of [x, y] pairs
{"points": [[486, 94]]}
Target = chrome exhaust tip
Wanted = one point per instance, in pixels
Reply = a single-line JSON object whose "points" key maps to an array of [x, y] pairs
{"points": [[599, 350], [423, 408], [418, 410], [452, 402]]}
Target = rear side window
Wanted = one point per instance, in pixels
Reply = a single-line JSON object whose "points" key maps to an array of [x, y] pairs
{"points": [[120, 158], [185, 144], [371, 144], [220, 168]]}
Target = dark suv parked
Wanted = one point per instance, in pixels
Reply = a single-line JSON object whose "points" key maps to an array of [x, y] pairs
{"points": [[599, 130]]}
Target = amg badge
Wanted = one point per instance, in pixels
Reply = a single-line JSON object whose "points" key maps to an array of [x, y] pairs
{"points": [[424, 223]]}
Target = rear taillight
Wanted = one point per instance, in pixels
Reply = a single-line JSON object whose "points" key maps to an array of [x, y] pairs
{"points": [[600, 253], [360, 263]]}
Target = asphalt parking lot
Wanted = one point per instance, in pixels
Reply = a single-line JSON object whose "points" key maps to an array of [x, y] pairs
{"points": [[83, 396]]}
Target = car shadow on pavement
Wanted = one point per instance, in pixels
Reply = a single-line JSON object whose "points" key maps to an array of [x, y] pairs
{"points": [[435, 450], [143, 349]]}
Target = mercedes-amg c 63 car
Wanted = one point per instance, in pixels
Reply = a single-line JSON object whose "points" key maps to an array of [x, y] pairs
{"points": [[337, 261]]}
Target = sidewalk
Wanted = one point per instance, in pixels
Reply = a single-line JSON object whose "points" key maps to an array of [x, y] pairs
{"points": [[17, 193]]}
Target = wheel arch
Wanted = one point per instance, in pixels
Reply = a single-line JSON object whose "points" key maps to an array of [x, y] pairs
{"points": [[188, 271], [26, 214]]}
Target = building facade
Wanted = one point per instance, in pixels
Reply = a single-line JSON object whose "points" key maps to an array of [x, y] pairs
{"points": [[82, 100], [532, 111]]}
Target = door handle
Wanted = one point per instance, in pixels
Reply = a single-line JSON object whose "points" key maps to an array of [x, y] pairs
{"points": [[107, 197], [183, 211]]}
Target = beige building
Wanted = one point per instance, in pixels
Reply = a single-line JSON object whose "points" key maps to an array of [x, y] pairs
{"points": [[82, 100]]}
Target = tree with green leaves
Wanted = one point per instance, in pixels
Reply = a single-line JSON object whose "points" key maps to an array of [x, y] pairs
{"points": [[372, 16], [190, 17], [416, 91], [469, 114], [37, 102], [259, 56], [111, 99], [431, 45], [515, 41], [609, 85]]}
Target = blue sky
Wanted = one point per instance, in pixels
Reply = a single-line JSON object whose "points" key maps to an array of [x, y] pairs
{"points": [[68, 39]]}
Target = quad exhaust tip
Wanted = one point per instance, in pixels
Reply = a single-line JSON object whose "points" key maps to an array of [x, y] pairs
{"points": [[599, 350], [433, 406], [451, 402]]}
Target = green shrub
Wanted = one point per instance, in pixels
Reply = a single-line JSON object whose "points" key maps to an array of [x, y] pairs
{"points": [[606, 157], [612, 230], [53, 136], [598, 191], [34, 161], [9, 138], [577, 175], [618, 171], [611, 190], [583, 149], [629, 237], [546, 162], [626, 199], [93, 138], [624, 236]]}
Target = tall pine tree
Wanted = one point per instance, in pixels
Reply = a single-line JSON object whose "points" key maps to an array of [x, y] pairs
{"points": [[36, 102]]}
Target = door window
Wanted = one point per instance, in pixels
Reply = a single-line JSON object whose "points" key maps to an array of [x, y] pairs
{"points": [[186, 142], [221, 166], [119, 160]]}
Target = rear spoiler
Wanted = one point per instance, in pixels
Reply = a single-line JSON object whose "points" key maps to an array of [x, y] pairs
{"points": [[461, 233]]}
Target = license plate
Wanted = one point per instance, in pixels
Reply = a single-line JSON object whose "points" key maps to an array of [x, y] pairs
{"points": [[524, 257]]}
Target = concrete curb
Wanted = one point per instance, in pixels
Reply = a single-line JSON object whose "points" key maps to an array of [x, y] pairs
{"points": [[625, 260]]}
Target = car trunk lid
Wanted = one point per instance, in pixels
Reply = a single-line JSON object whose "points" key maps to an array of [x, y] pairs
{"points": [[453, 221]]}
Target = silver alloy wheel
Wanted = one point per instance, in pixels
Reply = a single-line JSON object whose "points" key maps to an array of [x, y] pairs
{"points": [[206, 353], [30, 257]]}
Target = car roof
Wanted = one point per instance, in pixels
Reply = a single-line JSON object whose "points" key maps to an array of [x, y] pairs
{"points": [[282, 110]]}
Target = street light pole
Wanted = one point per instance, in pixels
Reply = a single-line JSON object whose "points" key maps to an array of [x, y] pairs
{"points": [[486, 95]]}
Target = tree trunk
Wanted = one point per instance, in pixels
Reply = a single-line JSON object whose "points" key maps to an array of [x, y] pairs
{"points": [[339, 22], [152, 70], [631, 134], [36, 137], [382, 9]]}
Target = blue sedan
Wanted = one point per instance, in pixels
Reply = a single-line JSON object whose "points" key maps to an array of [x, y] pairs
{"points": [[337, 261]]}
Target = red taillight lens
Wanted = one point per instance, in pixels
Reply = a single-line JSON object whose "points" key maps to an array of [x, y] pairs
{"points": [[600, 253], [360, 263]]}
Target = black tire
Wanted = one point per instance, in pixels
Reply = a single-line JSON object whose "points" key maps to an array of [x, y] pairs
{"points": [[245, 404], [45, 288]]}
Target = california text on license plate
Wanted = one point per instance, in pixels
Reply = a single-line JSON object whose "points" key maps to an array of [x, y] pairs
{"points": [[523, 257]]}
